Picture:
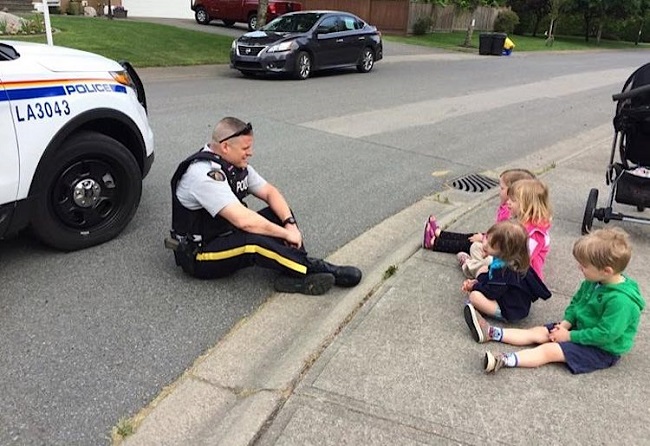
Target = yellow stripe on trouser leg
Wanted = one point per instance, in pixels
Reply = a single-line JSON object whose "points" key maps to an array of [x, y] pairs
{"points": [[252, 249]]}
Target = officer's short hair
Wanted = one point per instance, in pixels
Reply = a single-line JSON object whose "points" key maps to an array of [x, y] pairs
{"points": [[227, 126]]}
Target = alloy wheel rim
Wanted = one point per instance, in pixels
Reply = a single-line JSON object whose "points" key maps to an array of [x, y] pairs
{"points": [[304, 66], [367, 60]]}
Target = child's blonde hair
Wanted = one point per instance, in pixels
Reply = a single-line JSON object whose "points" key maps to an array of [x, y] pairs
{"points": [[532, 199], [510, 240], [604, 247], [510, 176]]}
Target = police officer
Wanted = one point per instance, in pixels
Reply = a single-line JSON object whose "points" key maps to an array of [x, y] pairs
{"points": [[214, 233]]}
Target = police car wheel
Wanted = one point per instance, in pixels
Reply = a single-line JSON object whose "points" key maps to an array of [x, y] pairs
{"points": [[87, 193]]}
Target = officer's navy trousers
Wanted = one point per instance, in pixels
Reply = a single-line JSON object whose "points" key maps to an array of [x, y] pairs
{"points": [[228, 253]]}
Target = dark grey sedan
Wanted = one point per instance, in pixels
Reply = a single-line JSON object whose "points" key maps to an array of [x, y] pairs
{"points": [[302, 42]]}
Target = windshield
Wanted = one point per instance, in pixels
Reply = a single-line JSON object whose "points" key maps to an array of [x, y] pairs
{"points": [[293, 23]]}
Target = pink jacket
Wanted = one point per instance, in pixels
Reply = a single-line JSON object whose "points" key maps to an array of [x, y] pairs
{"points": [[503, 213], [539, 243]]}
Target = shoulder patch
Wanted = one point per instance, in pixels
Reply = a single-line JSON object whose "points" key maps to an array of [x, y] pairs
{"points": [[216, 175]]}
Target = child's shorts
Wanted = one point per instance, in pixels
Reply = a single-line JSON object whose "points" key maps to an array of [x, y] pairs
{"points": [[585, 358]]}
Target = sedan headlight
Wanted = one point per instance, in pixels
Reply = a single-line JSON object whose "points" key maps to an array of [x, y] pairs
{"points": [[283, 46]]}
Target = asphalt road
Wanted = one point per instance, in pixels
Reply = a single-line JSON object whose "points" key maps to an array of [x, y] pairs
{"points": [[90, 337]]}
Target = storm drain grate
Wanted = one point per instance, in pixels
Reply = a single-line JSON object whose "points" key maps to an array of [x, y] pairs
{"points": [[474, 182]]}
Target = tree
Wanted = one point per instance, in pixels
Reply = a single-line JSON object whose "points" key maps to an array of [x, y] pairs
{"points": [[641, 15], [555, 9], [261, 13], [472, 6], [596, 13], [535, 9]]}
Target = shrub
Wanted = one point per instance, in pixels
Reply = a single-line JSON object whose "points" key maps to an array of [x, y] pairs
{"points": [[422, 25], [506, 22], [74, 8], [33, 25]]}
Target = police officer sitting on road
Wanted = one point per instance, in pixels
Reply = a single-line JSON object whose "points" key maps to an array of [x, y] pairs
{"points": [[214, 233]]}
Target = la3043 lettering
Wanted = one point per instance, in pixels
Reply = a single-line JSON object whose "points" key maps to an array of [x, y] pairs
{"points": [[42, 110]]}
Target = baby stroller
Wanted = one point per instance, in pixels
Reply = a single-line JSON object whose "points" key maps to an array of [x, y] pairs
{"points": [[629, 179]]}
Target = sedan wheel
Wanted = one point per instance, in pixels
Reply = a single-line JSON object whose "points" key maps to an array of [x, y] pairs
{"points": [[367, 61], [303, 66], [201, 16]]}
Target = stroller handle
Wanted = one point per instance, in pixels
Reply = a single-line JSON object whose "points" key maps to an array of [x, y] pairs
{"points": [[631, 93]]}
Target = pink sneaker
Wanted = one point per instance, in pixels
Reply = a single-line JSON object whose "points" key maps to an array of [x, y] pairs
{"points": [[430, 233]]}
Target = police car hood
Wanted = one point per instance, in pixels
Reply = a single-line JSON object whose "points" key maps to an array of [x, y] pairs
{"points": [[61, 59]]}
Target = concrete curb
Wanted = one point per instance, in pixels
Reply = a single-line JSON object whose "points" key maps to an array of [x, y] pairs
{"points": [[233, 391]]}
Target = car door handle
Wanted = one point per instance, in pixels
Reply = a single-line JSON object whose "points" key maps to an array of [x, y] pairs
{"points": [[339, 40], [362, 38]]}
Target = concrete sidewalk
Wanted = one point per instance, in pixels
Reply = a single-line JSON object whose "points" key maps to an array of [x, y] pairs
{"points": [[392, 362]]}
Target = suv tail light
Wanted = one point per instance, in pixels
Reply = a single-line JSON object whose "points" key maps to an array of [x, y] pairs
{"points": [[272, 8]]}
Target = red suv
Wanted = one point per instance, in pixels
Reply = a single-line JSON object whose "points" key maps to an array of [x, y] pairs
{"points": [[231, 11]]}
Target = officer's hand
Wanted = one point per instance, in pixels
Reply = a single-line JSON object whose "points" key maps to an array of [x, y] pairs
{"points": [[294, 238]]}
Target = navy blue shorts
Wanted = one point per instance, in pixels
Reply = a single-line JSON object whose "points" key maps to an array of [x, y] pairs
{"points": [[584, 358]]}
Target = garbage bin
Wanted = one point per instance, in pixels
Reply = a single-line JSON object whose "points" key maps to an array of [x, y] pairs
{"points": [[485, 44], [498, 39]]}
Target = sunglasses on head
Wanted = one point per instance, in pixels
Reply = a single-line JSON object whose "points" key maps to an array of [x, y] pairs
{"points": [[245, 131]]}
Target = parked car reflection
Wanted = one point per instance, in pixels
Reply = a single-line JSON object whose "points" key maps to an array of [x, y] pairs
{"points": [[302, 42]]}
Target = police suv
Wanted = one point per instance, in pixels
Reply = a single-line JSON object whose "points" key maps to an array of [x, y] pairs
{"points": [[75, 144]]}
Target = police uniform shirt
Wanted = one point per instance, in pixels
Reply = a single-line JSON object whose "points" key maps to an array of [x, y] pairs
{"points": [[204, 185]]}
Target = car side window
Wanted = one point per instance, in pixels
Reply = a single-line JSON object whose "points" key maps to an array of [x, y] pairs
{"points": [[328, 25], [348, 24], [358, 24]]}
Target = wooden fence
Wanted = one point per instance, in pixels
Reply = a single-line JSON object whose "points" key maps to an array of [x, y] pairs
{"points": [[387, 15], [449, 18], [398, 16]]}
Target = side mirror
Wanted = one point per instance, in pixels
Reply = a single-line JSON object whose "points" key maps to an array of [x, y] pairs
{"points": [[322, 30]]}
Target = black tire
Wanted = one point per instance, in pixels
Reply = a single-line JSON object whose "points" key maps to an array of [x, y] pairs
{"points": [[228, 23], [303, 66], [590, 209], [201, 16], [640, 208], [252, 21], [109, 177], [366, 61]]}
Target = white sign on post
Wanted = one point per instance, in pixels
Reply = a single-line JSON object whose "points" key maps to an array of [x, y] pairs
{"points": [[48, 26]]}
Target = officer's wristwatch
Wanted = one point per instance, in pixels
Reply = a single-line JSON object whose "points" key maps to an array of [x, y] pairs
{"points": [[289, 220]]}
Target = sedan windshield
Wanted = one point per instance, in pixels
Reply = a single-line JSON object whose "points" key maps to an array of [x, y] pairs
{"points": [[293, 23]]}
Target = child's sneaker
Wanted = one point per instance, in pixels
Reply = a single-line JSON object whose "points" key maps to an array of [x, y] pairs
{"points": [[429, 233], [478, 326], [462, 258], [492, 362]]}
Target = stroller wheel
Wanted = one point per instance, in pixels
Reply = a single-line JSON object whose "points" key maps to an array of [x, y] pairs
{"points": [[590, 209]]}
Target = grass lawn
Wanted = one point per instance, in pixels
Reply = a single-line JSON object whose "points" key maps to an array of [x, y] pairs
{"points": [[454, 40], [143, 44], [153, 45]]}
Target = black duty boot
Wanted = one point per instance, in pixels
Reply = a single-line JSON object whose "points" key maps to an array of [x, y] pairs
{"points": [[346, 276], [313, 284]]}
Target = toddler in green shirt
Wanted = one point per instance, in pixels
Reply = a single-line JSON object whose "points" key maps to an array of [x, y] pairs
{"points": [[599, 324]]}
